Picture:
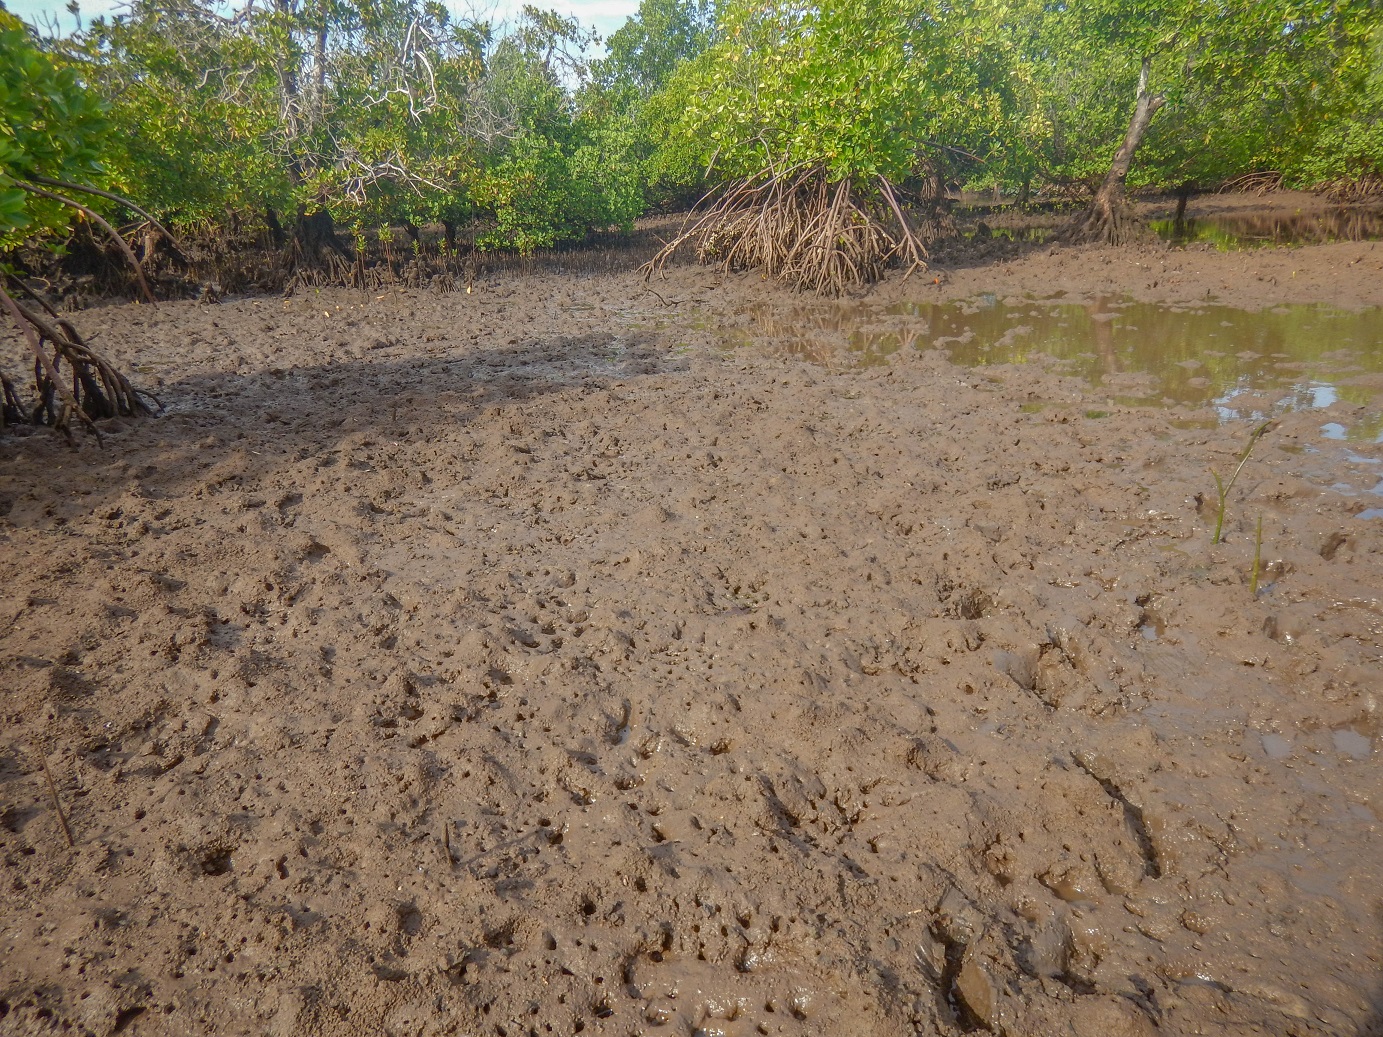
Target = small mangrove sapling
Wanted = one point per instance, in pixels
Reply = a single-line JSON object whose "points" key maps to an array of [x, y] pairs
{"points": [[1257, 557], [1222, 488]]}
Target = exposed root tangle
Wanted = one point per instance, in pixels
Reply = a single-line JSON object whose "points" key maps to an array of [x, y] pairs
{"points": [[1355, 189], [1262, 182], [89, 388], [1104, 222], [801, 228]]}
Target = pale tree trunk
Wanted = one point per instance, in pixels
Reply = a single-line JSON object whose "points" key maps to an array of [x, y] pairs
{"points": [[288, 81], [320, 59], [1109, 218]]}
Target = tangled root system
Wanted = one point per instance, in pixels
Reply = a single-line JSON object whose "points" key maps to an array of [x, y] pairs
{"points": [[799, 227], [1260, 182], [70, 378], [1107, 221], [1363, 186]]}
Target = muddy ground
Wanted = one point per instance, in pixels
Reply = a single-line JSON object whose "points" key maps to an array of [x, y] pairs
{"points": [[523, 662]]}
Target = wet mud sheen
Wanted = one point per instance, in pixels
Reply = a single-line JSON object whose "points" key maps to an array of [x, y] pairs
{"points": [[533, 662]]}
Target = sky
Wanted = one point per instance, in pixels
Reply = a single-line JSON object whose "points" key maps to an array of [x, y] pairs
{"points": [[604, 15]]}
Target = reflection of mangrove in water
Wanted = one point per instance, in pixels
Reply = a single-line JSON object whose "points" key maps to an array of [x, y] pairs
{"points": [[1255, 230], [831, 335], [1227, 232], [1243, 364]]}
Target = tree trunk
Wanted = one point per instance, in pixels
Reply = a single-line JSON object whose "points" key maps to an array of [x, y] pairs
{"points": [[288, 73], [1109, 219], [936, 221], [276, 235], [316, 243], [320, 59], [1183, 195], [289, 107]]}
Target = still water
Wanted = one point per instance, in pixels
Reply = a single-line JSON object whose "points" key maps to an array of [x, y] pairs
{"points": [[1256, 230], [1226, 231], [1243, 364]]}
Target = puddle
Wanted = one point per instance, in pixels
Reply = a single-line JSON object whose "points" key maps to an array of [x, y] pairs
{"points": [[1348, 741], [1258, 231], [1351, 743], [1036, 235], [1151, 625], [1277, 747], [1245, 365]]}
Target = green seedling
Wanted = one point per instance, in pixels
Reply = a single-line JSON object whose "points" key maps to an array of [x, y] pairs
{"points": [[1257, 557], [1222, 488]]}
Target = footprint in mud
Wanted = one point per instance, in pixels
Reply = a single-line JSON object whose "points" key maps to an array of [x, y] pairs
{"points": [[286, 507]]}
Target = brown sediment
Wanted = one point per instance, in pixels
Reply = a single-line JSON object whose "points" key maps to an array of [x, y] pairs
{"points": [[524, 661]]}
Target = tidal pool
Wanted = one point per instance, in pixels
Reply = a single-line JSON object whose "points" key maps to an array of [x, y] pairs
{"points": [[1228, 232], [1256, 230], [1243, 364]]}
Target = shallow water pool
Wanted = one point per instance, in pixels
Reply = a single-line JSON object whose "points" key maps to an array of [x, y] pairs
{"points": [[1243, 364], [1256, 230]]}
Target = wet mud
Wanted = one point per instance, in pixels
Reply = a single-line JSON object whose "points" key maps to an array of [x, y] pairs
{"points": [[561, 658]]}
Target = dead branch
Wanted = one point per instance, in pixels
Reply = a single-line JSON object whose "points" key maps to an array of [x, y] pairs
{"points": [[98, 218], [35, 178], [53, 792]]}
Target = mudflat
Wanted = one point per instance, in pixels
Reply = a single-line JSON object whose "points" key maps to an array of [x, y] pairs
{"points": [[550, 659]]}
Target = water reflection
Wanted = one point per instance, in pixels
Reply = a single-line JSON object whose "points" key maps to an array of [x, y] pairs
{"points": [[1037, 234], [1256, 230], [1226, 231], [1246, 365]]}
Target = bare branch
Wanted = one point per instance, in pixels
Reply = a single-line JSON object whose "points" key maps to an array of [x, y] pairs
{"points": [[98, 218], [105, 194]]}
